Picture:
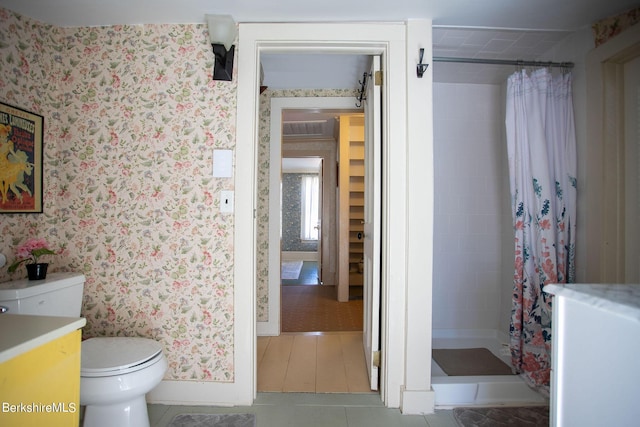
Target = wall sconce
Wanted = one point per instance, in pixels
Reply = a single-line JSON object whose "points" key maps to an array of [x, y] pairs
{"points": [[222, 33]]}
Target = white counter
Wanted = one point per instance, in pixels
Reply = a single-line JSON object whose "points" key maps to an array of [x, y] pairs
{"points": [[20, 333], [595, 377], [621, 299]]}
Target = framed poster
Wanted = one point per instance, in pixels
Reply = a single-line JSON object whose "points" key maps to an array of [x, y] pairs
{"points": [[20, 160]]}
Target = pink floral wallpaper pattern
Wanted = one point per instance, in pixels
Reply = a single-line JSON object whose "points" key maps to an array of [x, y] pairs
{"points": [[605, 29], [131, 119]]}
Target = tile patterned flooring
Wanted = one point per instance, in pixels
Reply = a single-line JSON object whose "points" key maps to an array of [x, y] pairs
{"points": [[313, 410]]}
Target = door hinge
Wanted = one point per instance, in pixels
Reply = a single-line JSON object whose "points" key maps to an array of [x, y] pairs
{"points": [[376, 359], [378, 78]]}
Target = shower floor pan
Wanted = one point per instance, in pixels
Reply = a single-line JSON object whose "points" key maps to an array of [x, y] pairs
{"points": [[489, 390]]}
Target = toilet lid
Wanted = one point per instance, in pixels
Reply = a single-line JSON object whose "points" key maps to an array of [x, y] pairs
{"points": [[100, 355]]}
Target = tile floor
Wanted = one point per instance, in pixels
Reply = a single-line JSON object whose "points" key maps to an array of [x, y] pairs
{"points": [[327, 371], [313, 410]]}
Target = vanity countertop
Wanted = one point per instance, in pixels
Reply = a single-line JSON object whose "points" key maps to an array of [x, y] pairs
{"points": [[622, 299], [20, 333]]}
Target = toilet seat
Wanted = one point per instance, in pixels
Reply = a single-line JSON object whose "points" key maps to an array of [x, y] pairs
{"points": [[109, 356]]}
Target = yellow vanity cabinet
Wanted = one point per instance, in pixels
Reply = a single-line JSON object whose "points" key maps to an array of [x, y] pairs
{"points": [[39, 370]]}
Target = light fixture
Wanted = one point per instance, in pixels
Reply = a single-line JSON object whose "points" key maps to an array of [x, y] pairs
{"points": [[222, 33]]}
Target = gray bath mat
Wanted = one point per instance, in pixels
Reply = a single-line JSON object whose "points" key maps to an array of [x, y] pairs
{"points": [[534, 416], [213, 420], [469, 362]]}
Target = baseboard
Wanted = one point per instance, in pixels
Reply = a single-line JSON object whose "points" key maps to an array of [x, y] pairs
{"points": [[416, 402], [466, 333], [267, 329], [170, 392], [299, 256]]}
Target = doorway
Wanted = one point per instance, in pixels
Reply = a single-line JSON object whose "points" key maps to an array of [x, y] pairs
{"points": [[303, 139], [308, 109], [319, 347], [389, 41], [612, 161], [301, 220]]}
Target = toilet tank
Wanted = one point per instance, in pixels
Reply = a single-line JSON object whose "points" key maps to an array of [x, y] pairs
{"points": [[60, 294]]}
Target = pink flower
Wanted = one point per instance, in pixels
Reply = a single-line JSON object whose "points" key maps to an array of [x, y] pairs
{"points": [[31, 250], [550, 269], [545, 224]]}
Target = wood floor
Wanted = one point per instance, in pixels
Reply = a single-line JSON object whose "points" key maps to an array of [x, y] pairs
{"points": [[317, 362], [316, 308]]}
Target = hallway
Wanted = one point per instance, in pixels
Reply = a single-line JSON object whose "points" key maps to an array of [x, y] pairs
{"points": [[313, 362]]}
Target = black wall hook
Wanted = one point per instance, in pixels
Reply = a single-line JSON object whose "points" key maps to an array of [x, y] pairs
{"points": [[421, 68], [362, 94]]}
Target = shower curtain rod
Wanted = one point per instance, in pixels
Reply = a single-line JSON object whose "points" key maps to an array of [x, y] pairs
{"points": [[504, 62]]}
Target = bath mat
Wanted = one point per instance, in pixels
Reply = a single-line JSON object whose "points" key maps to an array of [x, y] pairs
{"points": [[213, 420], [526, 416], [291, 270], [457, 362]]}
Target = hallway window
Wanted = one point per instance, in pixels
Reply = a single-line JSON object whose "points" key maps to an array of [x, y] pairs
{"points": [[310, 194]]}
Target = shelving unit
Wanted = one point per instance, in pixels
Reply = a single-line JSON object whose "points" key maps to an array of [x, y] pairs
{"points": [[356, 207], [351, 203]]}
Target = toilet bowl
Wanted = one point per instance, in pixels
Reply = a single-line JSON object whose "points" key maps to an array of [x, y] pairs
{"points": [[116, 373]]}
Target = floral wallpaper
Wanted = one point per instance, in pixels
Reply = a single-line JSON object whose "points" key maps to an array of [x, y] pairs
{"points": [[605, 29], [131, 120], [292, 214], [262, 227]]}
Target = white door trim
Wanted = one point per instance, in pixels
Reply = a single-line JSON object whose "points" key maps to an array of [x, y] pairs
{"points": [[605, 245], [387, 40]]}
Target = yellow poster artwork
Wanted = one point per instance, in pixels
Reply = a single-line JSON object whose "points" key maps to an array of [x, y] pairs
{"points": [[20, 160]]}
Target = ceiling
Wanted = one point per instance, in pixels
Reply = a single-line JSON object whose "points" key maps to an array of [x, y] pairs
{"points": [[523, 14], [503, 29]]}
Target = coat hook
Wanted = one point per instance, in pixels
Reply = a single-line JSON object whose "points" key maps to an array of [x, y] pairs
{"points": [[421, 67]]}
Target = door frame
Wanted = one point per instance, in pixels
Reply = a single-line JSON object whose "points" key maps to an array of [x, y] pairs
{"points": [[605, 200], [389, 41]]}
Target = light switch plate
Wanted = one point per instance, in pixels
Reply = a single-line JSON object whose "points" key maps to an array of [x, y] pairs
{"points": [[222, 163]]}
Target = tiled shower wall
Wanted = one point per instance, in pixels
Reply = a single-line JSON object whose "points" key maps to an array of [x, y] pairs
{"points": [[472, 219]]}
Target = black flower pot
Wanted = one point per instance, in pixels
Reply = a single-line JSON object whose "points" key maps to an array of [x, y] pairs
{"points": [[37, 271]]}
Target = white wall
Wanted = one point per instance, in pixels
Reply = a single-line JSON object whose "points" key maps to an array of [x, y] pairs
{"points": [[574, 49], [472, 217]]}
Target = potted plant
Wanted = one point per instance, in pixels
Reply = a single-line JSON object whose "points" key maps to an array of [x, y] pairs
{"points": [[30, 252]]}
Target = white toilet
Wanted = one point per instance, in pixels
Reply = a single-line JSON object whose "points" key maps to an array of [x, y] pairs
{"points": [[116, 372]]}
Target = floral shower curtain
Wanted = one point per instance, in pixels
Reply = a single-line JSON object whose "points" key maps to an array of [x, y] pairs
{"points": [[542, 170]]}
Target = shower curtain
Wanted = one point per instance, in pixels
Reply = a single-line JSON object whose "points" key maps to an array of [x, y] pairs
{"points": [[542, 171]]}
